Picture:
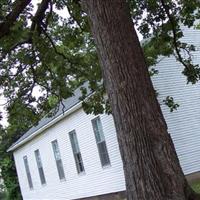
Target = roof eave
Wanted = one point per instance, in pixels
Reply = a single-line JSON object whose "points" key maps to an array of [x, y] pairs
{"points": [[51, 123]]}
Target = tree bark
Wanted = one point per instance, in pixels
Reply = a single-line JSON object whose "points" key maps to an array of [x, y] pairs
{"points": [[151, 166]]}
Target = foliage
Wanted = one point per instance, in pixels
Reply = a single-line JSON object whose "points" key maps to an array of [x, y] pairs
{"points": [[20, 119], [53, 54], [196, 186], [2, 195], [169, 101], [2, 189]]}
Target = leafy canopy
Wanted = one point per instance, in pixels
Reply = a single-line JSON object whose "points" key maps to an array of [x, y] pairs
{"points": [[42, 48]]}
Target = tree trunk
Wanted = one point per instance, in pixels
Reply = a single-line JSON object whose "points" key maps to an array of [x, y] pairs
{"points": [[151, 167]]}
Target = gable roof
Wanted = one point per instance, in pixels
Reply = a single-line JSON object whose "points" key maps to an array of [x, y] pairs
{"points": [[68, 106]]}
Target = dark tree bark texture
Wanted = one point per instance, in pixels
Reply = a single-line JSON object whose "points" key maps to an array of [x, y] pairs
{"points": [[152, 169]]}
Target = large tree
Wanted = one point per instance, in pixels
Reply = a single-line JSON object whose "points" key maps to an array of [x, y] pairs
{"points": [[152, 170], [57, 55]]}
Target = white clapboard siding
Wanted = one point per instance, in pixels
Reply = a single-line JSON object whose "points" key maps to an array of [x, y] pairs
{"points": [[95, 181], [183, 124]]}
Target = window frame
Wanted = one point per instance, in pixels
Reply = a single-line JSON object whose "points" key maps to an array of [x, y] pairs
{"points": [[59, 163], [40, 168], [76, 152], [28, 173], [100, 139]]}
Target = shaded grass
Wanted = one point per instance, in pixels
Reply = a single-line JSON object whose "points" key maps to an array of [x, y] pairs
{"points": [[196, 186]]}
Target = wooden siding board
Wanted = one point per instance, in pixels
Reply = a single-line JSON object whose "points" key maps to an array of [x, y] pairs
{"points": [[95, 181], [183, 125]]}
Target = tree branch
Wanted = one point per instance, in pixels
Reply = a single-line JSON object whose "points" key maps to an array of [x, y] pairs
{"points": [[73, 16], [10, 19], [4, 53], [39, 15], [53, 45], [175, 39]]}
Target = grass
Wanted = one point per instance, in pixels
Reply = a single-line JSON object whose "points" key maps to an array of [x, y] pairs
{"points": [[196, 186]]}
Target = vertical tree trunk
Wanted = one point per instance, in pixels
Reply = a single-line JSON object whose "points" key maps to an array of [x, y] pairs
{"points": [[152, 169]]}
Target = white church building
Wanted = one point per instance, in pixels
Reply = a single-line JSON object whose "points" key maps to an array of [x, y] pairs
{"points": [[76, 156]]}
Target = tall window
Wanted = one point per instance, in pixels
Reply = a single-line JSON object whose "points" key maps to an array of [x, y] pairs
{"points": [[58, 159], [40, 167], [28, 172], [76, 151], [100, 140]]}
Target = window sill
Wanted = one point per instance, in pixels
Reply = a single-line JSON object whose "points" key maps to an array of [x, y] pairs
{"points": [[62, 180], [82, 173], [106, 166]]}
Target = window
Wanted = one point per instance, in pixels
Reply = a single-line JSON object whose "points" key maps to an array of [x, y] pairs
{"points": [[76, 151], [100, 140], [58, 160], [40, 167], [28, 172]]}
